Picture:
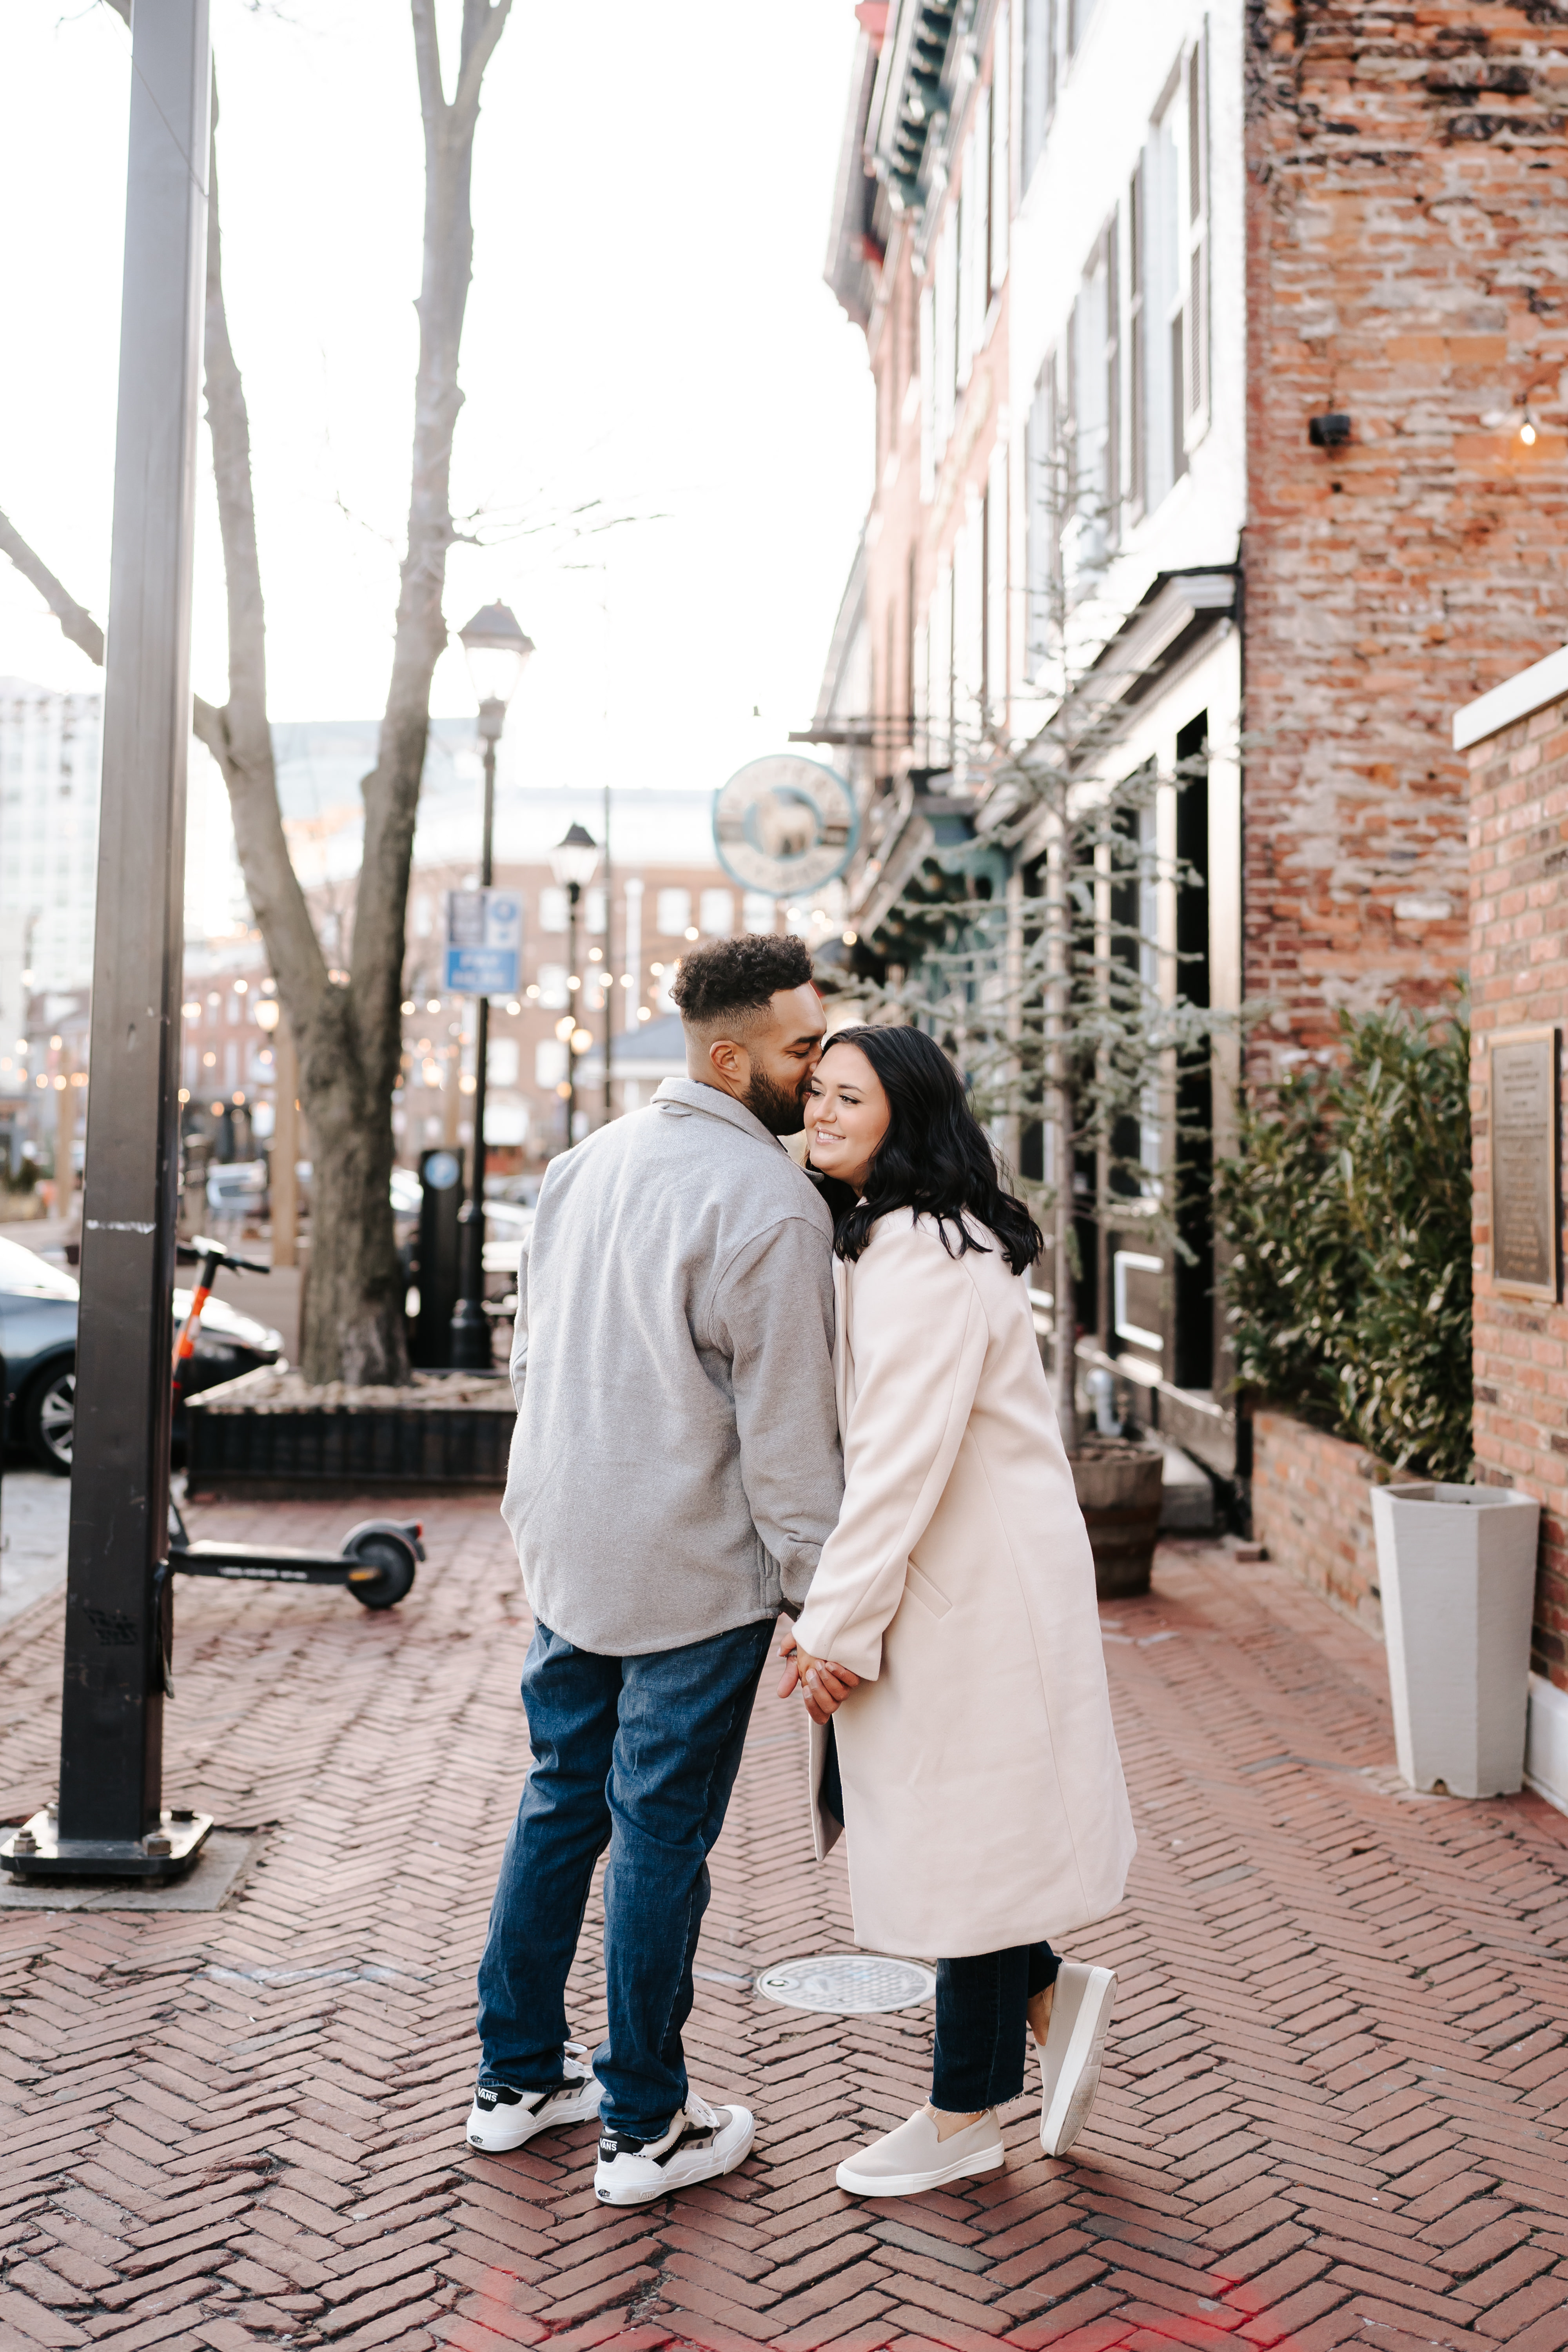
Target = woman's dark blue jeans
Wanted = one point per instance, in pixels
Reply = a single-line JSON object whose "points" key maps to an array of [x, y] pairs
{"points": [[982, 2025], [638, 1755]]}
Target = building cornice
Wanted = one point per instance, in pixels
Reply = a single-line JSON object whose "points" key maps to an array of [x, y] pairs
{"points": [[1517, 698]]}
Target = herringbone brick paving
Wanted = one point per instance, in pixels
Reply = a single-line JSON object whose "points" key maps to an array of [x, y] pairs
{"points": [[1334, 2109]]}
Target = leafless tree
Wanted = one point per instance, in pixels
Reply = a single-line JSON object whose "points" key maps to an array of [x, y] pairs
{"points": [[348, 1035]]}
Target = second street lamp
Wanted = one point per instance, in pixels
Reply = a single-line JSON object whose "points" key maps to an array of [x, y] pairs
{"points": [[497, 652], [573, 861]]}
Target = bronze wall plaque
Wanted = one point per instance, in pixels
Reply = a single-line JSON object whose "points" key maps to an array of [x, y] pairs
{"points": [[1524, 1204]]}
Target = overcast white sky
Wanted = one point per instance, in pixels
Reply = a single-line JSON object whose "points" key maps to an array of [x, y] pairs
{"points": [[648, 327]]}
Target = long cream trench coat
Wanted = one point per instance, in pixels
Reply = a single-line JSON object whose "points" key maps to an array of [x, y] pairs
{"points": [[982, 1792]]}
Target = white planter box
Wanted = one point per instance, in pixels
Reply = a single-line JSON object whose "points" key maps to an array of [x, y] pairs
{"points": [[1456, 1566]]}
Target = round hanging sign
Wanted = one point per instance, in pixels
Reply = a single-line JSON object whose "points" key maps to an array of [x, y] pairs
{"points": [[784, 825]]}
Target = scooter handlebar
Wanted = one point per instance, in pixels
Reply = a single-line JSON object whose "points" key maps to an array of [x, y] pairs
{"points": [[192, 1252]]}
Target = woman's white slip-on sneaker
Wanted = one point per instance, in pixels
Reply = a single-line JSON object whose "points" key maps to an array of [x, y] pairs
{"points": [[701, 2143], [1072, 2050], [912, 2159], [501, 2119]]}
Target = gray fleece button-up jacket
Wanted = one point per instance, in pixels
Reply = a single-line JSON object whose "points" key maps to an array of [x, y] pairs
{"points": [[675, 1469]]}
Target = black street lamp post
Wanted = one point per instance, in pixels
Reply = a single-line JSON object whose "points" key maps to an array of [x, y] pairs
{"points": [[111, 1821], [573, 861], [497, 652]]}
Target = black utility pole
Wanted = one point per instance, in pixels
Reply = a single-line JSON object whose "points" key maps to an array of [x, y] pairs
{"points": [[574, 861], [470, 1350], [118, 1610], [574, 893]]}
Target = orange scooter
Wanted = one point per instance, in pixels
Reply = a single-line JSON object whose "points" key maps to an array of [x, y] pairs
{"points": [[379, 1557]]}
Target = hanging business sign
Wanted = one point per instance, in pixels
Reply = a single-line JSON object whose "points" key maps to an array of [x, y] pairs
{"points": [[484, 943], [784, 825]]}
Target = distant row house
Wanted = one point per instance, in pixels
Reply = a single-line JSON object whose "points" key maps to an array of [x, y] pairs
{"points": [[1219, 357]]}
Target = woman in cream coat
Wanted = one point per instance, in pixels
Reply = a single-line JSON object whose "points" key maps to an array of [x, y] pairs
{"points": [[949, 1651]]}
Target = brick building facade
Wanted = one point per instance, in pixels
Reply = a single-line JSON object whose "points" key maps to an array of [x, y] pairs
{"points": [[1281, 284], [1516, 742], [1406, 177]]}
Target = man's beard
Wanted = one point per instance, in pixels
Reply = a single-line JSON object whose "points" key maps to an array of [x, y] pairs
{"points": [[781, 1110]]}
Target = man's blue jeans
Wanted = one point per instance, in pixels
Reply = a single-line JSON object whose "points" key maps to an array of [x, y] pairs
{"points": [[638, 1755]]}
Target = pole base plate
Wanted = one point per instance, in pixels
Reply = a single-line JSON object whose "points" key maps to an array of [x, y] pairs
{"points": [[37, 1850]]}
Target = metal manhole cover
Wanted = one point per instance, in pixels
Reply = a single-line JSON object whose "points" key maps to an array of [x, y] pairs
{"points": [[848, 1982]]}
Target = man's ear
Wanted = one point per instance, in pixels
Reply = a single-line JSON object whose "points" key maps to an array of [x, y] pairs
{"points": [[730, 1061]]}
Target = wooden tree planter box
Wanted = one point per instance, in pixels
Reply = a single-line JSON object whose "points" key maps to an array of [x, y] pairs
{"points": [[270, 1435]]}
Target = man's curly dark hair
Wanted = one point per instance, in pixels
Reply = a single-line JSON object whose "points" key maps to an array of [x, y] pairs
{"points": [[733, 980]]}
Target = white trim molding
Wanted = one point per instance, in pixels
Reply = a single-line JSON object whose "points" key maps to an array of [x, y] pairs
{"points": [[1516, 697], [1546, 1742]]}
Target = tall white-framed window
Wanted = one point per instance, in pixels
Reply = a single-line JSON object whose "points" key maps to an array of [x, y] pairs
{"points": [[1135, 486], [969, 628], [928, 394], [672, 913], [1197, 176], [1163, 305], [1039, 64], [940, 680], [921, 693], [974, 251], [1044, 462], [1078, 15], [1170, 305], [945, 333], [1090, 528], [1001, 145], [997, 590]]}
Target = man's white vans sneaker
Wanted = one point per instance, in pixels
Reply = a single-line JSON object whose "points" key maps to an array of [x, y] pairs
{"points": [[701, 2143], [912, 2159], [501, 2118], [1072, 2050]]}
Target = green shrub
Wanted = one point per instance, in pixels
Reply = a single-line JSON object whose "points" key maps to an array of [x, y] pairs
{"points": [[1348, 1207]]}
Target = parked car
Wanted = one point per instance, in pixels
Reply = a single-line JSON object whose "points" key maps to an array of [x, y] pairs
{"points": [[37, 1347]]}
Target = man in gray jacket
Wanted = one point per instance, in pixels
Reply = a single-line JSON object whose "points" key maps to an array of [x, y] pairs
{"points": [[675, 1472]]}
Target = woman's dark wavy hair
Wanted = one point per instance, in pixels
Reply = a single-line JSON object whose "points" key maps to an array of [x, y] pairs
{"points": [[935, 1158]]}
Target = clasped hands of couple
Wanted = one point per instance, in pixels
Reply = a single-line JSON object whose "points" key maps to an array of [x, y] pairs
{"points": [[821, 1684]]}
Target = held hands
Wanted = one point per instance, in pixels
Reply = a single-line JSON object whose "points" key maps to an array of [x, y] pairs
{"points": [[821, 1684]]}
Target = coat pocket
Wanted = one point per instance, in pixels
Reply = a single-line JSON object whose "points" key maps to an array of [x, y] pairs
{"points": [[923, 1590]]}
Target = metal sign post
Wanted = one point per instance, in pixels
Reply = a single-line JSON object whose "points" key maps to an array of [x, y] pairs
{"points": [[118, 1622]]}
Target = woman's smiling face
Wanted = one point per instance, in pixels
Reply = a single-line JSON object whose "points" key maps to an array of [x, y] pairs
{"points": [[847, 1115]]}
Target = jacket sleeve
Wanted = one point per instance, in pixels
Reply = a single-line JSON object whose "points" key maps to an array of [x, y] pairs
{"points": [[919, 1335], [773, 1317]]}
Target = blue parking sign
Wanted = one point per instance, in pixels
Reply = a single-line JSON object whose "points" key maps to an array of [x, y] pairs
{"points": [[484, 943]]}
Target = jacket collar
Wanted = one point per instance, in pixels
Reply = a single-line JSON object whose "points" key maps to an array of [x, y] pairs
{"points": [[695, 1095]]}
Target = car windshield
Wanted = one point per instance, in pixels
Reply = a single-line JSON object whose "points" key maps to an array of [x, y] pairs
{"points": [[25, 1274]]}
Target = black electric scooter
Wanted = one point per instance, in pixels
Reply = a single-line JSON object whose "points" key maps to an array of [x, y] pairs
{"points": [[379, 1557]]}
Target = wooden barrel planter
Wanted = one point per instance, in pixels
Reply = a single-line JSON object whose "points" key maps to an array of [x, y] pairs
{"points": [[1119, 1483]]}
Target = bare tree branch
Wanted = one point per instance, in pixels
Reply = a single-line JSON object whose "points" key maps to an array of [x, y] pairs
{"points": [[427, 59], [482, 28], [74, 619], [242, 740], [79, 623]]}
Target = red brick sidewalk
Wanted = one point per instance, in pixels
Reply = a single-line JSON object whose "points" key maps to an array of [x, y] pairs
{"points": [[1335, 2110]]}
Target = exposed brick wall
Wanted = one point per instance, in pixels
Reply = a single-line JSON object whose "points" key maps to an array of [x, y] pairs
{"points": [[1312, 1507], [1406, 185], [1519, 969]]}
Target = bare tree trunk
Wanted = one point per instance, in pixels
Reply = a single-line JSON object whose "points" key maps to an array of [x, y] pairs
{"points": [[1058, 1074], [348, 1038], [353, 1272]]}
